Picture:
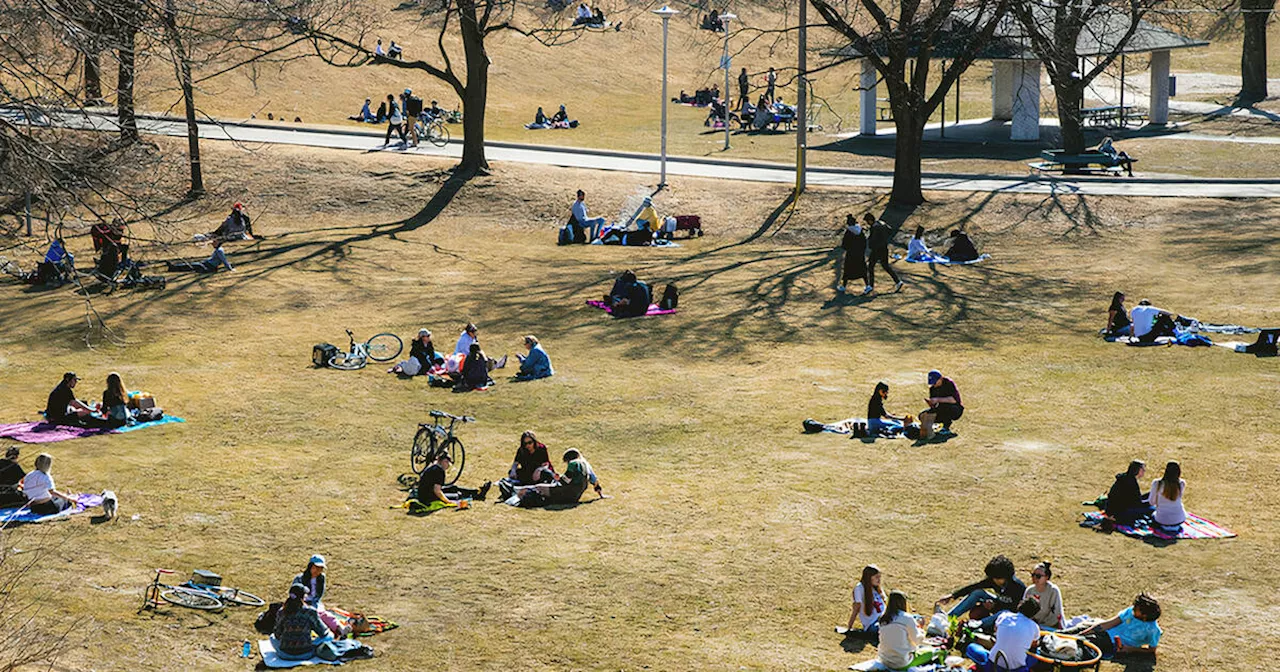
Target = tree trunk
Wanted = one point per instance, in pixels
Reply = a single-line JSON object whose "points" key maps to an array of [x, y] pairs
{"points": [[92, 77], [1253, 55], [475, 96], [124, 83], [188, 99], [906, 159], [1070, 97]]}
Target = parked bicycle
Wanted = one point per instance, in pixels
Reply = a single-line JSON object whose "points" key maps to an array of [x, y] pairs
{"points": [[383, 347], [196, 593], [434, 130], [434, 439]]}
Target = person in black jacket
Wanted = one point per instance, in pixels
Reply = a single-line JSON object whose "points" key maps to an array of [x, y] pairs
{"points": [[1125, 501], [999, 591], [962, 248], [236, 226], [11, 474], [854, 244], [878, 243]]}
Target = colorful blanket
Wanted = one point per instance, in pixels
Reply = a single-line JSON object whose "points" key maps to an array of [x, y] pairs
{"points": [[1195, 528], [653, 308], [22, 514], [845, 427], [939, 259], [46, 432], [377, 625]]}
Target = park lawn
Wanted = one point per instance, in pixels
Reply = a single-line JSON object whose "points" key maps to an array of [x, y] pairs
{"points": [[731, 539]]}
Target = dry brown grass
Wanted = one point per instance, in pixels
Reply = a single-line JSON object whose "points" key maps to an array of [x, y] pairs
{"points": [[732, 538]]}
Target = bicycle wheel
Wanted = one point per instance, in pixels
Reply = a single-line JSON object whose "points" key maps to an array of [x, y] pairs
{"points": [[237, 596], [345, 363], [424, 449], [438, 134], [384, 347], [191, 599], [453, 446]]}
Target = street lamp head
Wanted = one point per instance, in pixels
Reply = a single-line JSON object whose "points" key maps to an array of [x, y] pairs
{"points": [[666, 12], [728, 16]]}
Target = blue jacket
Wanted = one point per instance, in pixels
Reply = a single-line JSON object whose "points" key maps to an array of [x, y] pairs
{"points": [[536, 365]]}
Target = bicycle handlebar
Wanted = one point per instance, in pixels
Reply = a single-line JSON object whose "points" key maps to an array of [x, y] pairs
{"points": [[164, 571], [442, 414]]}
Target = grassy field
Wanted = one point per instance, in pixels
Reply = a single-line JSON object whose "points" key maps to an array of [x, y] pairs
{"points": [[732, 539]]}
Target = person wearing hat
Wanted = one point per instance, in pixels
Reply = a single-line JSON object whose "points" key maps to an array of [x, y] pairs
{"points": [[313, 579], [431, 487], [295, 624], [236, 226], [64, 409], [944, 402], [422, 356], [854, 244], [412, 110]]}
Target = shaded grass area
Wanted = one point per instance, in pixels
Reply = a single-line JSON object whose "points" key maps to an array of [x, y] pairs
{"points": [[732, 539]]}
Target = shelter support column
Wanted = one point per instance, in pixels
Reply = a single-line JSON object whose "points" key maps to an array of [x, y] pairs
{"points": [[867, 98], [1158, 110], [1002, 89], [1026, 101]]}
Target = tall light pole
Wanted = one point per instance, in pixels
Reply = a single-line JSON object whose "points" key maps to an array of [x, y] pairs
{"points": [[802, 100], [724, 63], [666, 13]]}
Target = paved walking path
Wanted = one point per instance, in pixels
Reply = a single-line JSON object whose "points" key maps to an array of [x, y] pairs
{"points": [[748, 171]]}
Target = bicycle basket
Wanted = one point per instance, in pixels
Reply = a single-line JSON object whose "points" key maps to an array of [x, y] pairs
{"points": [[205, 577]]}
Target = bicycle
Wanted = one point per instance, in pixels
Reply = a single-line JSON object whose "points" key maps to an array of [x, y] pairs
{"points": [[434, 439], [183, 596], [382, 347], [434, 131]]}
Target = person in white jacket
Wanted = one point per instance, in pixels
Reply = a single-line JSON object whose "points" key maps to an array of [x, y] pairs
{"points": [[901, 637]]}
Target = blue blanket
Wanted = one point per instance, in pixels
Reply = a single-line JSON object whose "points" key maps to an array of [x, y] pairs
{"points": [[24, 515], [164, 420], [932, 258]]}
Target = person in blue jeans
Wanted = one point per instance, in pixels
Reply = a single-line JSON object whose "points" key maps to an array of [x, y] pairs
{"points": [[218, 258], [1016, 633], [295, 624], [999, 591], [1134, 630]]}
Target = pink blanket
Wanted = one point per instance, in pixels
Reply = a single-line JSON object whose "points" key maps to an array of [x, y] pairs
{"points": [[44, 432], [653, 308]]}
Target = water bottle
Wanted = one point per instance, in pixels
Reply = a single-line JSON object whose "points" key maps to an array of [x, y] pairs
{"points": [[244, 652]]}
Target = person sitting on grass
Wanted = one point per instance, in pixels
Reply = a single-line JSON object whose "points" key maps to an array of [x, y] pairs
{"points": [[1134, 630], [962, 248], [1125, 501], [210, 265], [42, 497], [64, 409], [916, 249], [560, 117], [868, 604], [540, 119], [365, 114], [999, 591], [1150, 323], [877, 416], [422, 356], [475, 371], [431, 487], [295, 624], [901, 637], [1049, 614], [115, 402], [944, 402], [1118, 323], [1165, 497], [11, 475], [466, 339], [565, 489], [235, 227], [1016, 633], [313, 578], [537, 364], [57, 264], [629, 297], [589, 227], [531, 465], [584, 15]]}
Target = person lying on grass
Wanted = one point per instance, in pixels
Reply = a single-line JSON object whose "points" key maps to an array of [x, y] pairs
{"points": [[422, 356], [38, 487], [999, 591], [431, 487], [210, 265], [1049, 614], [1134, 630], [567, 488], [295, 624], [531, 465], [64, 409], [868, 604], [537, 364], [944, 402], [876, 415], [1125, 501], [901, 637], [1016, 633]]}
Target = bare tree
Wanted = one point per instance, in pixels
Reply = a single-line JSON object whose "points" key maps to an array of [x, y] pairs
{"points": [[25, 638], [1253, 53], [1058, 30], [891, 33], [182, 69]]}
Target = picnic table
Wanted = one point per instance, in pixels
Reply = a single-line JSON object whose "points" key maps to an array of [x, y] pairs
{"points": [[1057, 159], [1111, 115]]}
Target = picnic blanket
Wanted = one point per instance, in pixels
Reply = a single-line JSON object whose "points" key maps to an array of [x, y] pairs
{"points": [[893, 431], [939, 259], [653, 308], [47, 432], [1195, 528], [377, 625], [83, 502], [271, 659]]}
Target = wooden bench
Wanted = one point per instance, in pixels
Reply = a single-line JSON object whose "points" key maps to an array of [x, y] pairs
{"points": [[1057, 159]]}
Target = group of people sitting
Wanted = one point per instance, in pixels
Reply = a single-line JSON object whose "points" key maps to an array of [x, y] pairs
{"points": [[387, 107], [118, 407], [558, 120], [1146, 322], [712, 21], [630, 297], [236, 226], [1005, 614], [644, 228], [532, 480], [700, 97], [395, 51], [592, 18], [766, 113], [469, 367], [945, 407], [1126, 504], [303, 627], [34, 490], [961, 248]]}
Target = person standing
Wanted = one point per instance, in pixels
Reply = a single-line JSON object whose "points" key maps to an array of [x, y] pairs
{"points": [[412, 110], [771, 81], [744, 87], [854, 244], [395, 121], [878, 243]]}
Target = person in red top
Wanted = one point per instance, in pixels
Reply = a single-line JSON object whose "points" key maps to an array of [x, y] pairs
{"points": [[945, 406]]}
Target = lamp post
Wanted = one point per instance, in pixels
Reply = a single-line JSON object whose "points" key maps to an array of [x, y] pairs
{"points": [[666, 13], [724, 63]]}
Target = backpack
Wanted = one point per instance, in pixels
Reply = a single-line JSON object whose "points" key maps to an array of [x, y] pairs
{"points": [[413, 106], [321, 353], [266, 622], [670, 297], [572, 233], [150, 414]]}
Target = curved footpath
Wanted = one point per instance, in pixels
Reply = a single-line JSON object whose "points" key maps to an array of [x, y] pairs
{"points": [[749, 171]]}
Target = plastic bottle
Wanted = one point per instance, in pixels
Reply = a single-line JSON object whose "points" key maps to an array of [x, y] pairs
{"points": [[248, 649]]}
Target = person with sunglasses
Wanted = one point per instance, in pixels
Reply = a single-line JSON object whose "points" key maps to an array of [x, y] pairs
{"points": [[1046, 594]]}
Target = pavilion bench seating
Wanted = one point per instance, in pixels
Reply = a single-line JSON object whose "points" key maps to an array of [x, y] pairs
{"points": [[1057, 159]]}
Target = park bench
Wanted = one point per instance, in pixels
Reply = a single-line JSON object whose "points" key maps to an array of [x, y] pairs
{"points": [[1057, 159], [1111, 115]]}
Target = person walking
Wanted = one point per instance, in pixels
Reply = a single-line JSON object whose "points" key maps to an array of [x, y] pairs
{"points": [[879, 246], [744, 86], [395, 120], [854, 244]]}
